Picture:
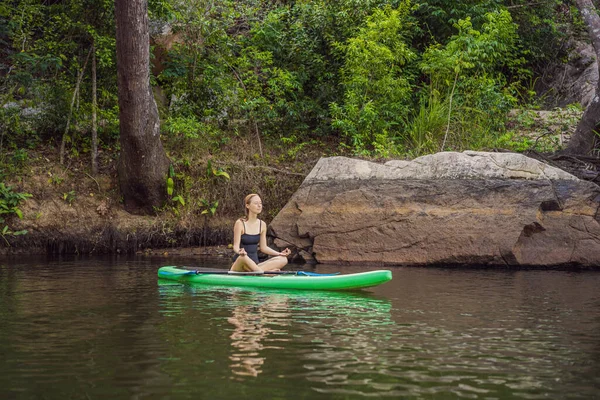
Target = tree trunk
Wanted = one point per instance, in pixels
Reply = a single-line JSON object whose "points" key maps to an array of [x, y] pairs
{"points": [[143, 164], [94, 116], [584, 139]]}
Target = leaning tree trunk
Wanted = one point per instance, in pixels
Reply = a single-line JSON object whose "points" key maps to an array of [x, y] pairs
{"points": [[94, 115], [584, 139], [143, 164], [75, 93]]}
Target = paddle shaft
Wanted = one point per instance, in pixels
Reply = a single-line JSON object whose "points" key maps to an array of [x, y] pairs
{"points": [[245, 273], [221, 272]]}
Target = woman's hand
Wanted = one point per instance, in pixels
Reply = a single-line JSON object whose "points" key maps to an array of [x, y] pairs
{"points": [[285, 252], [242, 252]]}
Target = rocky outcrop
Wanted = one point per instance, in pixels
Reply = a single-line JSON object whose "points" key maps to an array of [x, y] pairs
{"points": [[570, 79], [446, 208]]}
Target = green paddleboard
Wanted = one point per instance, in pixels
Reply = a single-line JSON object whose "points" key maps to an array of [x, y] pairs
{"points": [[279, 281]]}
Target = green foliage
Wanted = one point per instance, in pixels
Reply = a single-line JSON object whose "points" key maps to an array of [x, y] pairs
{"points": [[161, 10], [177, 199], [509, 140], [427, 126], [466, 73], [438, 17], [305, 59], [186, 133], [541, 131], [17, 124], [521, 143], [294, 145], [526, 118], [48, 43], [212, 172], [9, 205], [380, 77], [578, 24], [266, 88], [170, 186], [56, 180], [186, 127], [261, 68], [209, 208], [375, 78], [474, 52], [20, 157], [69, 197], [108, 115], [543, 27], [197, 70], [10, 201]]}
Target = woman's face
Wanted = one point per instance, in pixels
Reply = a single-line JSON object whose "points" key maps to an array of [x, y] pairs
{"points": [[255, 205]]}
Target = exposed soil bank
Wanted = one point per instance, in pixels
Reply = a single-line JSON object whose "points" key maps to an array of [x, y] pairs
{"points": [[72, 212]]}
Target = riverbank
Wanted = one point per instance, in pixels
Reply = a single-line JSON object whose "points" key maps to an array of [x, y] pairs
{"points": [[72, 211]]}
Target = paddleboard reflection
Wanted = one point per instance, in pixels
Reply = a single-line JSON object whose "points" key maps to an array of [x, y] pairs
{"points": [[267, 328]]}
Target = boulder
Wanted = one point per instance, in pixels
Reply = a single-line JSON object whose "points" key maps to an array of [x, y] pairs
{"points": [[449, 208]]}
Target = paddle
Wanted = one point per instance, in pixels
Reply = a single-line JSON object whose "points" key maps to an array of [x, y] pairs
{"points": [[222, 272]]}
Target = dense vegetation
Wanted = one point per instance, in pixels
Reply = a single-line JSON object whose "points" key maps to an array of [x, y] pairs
{"points": [[383, 77], [374, 78]]}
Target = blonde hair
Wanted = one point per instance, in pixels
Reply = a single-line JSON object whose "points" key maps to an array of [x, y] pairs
{"points": [[247, 202]]}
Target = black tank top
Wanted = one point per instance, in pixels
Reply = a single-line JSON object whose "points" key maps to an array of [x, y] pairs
{"points": [[250, 243]]}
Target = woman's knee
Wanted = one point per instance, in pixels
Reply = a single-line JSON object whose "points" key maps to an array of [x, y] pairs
{"points": [[283, 260]]}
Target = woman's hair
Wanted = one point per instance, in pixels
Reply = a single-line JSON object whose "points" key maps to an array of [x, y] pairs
{"points": [[247, 201]]}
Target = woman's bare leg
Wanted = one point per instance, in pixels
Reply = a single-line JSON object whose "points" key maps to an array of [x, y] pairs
{"points": [[245, 264], [273, 264]]}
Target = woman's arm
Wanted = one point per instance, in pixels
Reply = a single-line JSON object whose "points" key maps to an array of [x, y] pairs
{"points": [[237, 235], [266, 249]]}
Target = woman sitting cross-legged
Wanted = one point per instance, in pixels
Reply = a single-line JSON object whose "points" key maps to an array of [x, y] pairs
{"points": [[249, 236]]}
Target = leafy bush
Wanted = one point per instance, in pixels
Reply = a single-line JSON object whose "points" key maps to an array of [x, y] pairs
{"points": [[381, 77], [186, 127], [188, 133], [427, 126], [9, 205], [376, 81], [467, 74]]}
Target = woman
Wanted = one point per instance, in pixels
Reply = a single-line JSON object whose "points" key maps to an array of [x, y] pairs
{"points": [[249, 236]]}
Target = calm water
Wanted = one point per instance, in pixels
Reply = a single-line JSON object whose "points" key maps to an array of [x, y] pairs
{"points": [[105, 328]]}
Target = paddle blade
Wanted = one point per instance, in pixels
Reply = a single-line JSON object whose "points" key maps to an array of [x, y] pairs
{"points": [[306, 273], [169, 273]]}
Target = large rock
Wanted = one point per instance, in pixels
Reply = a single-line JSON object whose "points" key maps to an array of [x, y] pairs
{"points": [[446, 208]]}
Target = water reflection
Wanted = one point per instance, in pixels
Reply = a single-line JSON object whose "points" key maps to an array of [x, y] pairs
{"points": [[322, 326], [435, 334], [253, 325]]}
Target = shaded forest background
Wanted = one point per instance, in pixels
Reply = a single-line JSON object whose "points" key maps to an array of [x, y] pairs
{"points": [[251, 93]]}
